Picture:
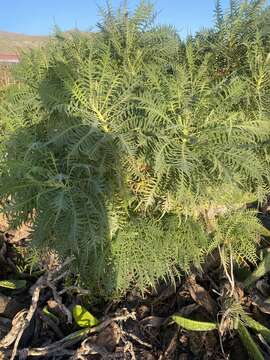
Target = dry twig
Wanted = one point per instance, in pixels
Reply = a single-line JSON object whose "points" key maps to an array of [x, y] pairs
{"points": [[35, 297], [60, 346]]}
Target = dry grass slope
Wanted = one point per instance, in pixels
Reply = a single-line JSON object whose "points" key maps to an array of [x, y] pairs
{"points": [[13, 42]]}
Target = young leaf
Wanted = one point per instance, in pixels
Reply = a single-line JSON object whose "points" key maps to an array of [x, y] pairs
{"points": [[13, 284], [83, 317], [252, 348], [264, 231], [193, 325], [260, 271], [49, 314]]}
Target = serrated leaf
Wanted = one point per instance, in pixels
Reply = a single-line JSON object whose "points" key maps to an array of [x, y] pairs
{"points": [[83, 317], [13, 284], [193, 325], [250, 345]]}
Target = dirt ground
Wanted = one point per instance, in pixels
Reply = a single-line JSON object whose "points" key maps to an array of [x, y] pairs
{"points": [[36, 317]]}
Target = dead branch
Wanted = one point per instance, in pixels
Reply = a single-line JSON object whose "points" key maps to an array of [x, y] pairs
{"points": [[58, 299], [17, 323], [61, 345], [26, 321], [50, 323], [138, 340]]}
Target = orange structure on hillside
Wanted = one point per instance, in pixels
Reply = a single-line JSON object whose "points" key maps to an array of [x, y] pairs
{"points": [[9, 58]]}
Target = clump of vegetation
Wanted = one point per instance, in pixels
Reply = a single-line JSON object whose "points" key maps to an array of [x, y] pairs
{"points": [[135, 151]]}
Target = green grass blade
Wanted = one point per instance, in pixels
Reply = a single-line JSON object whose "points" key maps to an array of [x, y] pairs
{"points": [[250, 345], [193, 325], [13, 284], [258, 327]]}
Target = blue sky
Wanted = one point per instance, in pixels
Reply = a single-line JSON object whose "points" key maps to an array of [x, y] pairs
{"points": [[37, 17]]}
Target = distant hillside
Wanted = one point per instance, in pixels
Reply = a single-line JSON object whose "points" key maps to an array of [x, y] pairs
{"points": [[12, 42]]}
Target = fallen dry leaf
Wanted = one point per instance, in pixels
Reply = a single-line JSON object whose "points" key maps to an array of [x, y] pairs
{"points": [[263, 305], [188, 309], [109, 338], [3, 223], [22, 233], [153, 321], [263, 287], [143, 311], [201, 296]]}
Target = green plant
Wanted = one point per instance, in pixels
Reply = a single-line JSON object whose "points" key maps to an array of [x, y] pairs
{"points": [[252, 348], [13, 284], [193, 325], [83, 317], [243, 321], [262, 269], [127, 151]]}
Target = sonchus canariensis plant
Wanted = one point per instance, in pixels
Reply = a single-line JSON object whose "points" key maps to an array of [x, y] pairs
{"points": [[128, 151]]}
